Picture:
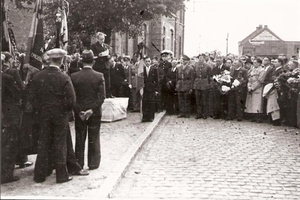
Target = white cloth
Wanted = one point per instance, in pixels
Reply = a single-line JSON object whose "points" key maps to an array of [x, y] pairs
{"points": [[114, 109]]}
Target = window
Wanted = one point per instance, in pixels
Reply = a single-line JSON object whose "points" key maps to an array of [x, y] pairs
{"points": [[172, 40], [296, 49], [180, 49], [164, 38], [145, 38]]}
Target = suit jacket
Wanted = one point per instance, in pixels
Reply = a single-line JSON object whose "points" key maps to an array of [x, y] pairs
{"points": [[185, 78], [101, 64], [268, 77], [165, 67], [117, 75], [128, 73], [15, 74], [241, 75], [151, 80], [202, 76], [89, 87], [75, 66], [51, 89]]}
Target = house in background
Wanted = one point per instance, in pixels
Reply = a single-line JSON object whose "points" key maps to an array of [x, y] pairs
{"points": [[263, 42], [157, 35]]}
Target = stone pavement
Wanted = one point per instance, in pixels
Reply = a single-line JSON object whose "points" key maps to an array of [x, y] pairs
{"points": [[215, 159], [116, 139]]}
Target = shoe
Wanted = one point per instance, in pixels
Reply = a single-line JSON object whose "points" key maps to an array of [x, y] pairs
{"points": [[81, 173], [39, 180], [26, 164], [66, 180], [13, 179], [181, 116], [239, 120], [198, 117], [92, 168], [204, 117]]}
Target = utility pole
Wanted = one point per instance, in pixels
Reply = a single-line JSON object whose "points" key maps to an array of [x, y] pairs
{"points": [[227, 43]]}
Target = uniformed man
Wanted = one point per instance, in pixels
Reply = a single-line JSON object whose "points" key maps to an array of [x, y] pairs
{"points": [[164, 68], [53, 96], [184, 86], [202, 86]]}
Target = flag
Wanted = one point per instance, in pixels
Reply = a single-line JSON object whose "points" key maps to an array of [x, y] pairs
{"points": [[6, 44], [64, 26], [35, 45]]}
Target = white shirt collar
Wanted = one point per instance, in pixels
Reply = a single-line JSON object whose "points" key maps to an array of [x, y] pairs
{"points": [[88, 67]]}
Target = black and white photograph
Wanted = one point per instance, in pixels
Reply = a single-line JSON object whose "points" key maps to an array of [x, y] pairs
{"points": [[150, 99]]}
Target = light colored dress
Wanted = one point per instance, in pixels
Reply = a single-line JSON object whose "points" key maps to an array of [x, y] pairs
{"points": [[254, 101]]}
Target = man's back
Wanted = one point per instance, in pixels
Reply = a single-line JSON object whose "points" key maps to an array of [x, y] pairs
{"points": [[51, 88], [89, 87]]}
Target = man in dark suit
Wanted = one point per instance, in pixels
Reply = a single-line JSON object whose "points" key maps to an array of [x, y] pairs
{"points": [[52, 95], [75, 65], [117, 77], [11, 117], [101, 50], [89, 87], [150, 91], [214, 93], [237, 93]]}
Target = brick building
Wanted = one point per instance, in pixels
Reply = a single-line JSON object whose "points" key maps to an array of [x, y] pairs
{"points": [[157, 35], [263, 42]]}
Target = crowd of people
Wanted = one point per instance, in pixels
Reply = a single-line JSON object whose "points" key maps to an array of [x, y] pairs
{"points": [[38, 104]]}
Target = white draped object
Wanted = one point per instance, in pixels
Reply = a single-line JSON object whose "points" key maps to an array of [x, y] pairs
{"points": [[114, 109]]}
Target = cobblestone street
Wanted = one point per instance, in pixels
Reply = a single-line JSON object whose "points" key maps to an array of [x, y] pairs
{"points": [[215, 159]]}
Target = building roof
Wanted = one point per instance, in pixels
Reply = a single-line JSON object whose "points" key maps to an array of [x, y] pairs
{"points": [[261, 34]]}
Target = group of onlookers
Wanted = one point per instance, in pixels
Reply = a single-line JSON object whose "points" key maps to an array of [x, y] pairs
{"points": [[260, 89], [37, 104]]}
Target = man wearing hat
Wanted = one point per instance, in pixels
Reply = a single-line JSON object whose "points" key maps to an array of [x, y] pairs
{"points": [[52, 95], [89, 86], [184, 86], [202, 86], [101, 51], [165, 67]]}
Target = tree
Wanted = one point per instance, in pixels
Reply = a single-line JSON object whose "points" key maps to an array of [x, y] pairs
{"points": [[117, 15], [86, 17]]}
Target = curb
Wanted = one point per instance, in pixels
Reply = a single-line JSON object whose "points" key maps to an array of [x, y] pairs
{"points": [[120, 169]]}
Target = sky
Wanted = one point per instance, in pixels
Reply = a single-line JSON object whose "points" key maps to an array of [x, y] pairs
{"points": [[208, 22]]}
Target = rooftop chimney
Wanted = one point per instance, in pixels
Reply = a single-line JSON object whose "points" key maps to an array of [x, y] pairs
{"points": [[259, 27], [266, 26]]}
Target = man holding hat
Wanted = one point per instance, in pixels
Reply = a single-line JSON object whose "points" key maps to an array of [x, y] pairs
{"points": [[89, 86], [101, 51], [52, 95], [184, 86]]}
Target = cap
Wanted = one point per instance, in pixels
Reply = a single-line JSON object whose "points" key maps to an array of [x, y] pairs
{"points": [[166, 52], [56, 53], [126, 58], [7, 55], [185, 57], [100, 34], [2, 56], [87, 56]]}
